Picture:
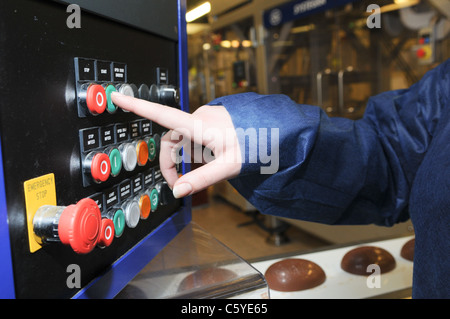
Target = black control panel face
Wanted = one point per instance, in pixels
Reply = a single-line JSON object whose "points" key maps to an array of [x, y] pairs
{"points": [[63, 137]]}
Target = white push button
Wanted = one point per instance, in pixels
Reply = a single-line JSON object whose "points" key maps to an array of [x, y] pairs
{"points": [[129, 156], [126, 89], [132, 213]]}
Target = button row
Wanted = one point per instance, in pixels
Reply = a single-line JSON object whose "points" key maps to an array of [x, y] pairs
{"points": [[83, 226], [126, 189], [95, 98], [131, 201], [103, 163], [95, 137]]}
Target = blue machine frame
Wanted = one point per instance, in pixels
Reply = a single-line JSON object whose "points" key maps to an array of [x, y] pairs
{"points": [[6, 270], [117, 276]]}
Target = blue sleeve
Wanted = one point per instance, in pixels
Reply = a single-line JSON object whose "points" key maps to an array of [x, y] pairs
{"points": [[309, 166]]}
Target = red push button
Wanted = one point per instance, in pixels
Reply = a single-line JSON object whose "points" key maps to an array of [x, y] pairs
{"points": [[80, 225], [96, 99], [100, 167], [107, 233], [424, 52], [420, 53]]}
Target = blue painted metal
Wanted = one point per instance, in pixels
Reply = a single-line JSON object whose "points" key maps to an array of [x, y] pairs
{"points": [[299, 9], [6, 269], [126, 268]]}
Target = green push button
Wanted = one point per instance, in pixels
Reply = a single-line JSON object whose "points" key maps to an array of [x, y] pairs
{"points": [[110, 106], [119, 222], [154, 199], [116, 161], [151, 148]]}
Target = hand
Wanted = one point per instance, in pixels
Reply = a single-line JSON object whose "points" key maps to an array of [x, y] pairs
{"points": [[210, 126]]}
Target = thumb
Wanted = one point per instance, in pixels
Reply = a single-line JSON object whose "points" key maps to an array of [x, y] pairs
{"points": [[204, 176]]}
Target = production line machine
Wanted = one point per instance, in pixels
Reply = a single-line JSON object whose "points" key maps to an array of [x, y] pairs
{"points": [[84, 209], [83, 204]]}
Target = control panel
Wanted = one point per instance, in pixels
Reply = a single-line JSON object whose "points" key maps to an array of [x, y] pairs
{"points": [[81, 176]]}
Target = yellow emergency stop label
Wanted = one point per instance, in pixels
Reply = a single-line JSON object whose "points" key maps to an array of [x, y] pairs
{"points": [[39, 191]]}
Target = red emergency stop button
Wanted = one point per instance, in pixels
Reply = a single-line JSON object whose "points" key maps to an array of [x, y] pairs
{"points": [[100, 167], [96, 99], [106, 233], [80, 225]]}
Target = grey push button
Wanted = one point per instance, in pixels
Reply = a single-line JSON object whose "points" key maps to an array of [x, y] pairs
{"points": [[129, 156], [132, 213]]}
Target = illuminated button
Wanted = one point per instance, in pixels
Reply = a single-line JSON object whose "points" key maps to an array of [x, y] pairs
{"points": [[94, 97], [110, 106], [129, 156], [142, 152], [107, 233], [151, 144], [115, 159], [79, 226], [154, 199], [118, 218], [145, 206], [132, 213], [98, 165]]}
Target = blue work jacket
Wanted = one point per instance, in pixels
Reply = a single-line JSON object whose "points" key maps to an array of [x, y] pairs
{"points": [[390, 166]]}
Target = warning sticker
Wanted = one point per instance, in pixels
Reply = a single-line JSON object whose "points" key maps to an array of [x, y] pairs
{"points": [[39, 191]]}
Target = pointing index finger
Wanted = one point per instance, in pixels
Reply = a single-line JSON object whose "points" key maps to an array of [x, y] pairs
{"points": [[166, 116]]}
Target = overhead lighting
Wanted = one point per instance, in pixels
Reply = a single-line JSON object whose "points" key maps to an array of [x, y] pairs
{"points": [[198, 12], [303, 28], [225, 44], [397, 5], [247, 43], [235, 44]]}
